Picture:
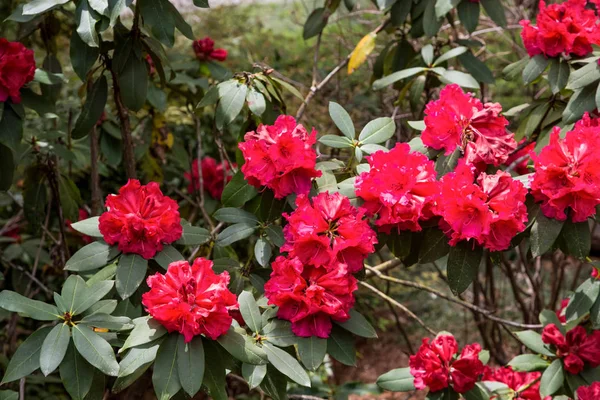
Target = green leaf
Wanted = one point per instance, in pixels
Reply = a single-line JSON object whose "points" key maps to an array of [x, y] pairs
{"points": [[193, 235], [254, 374], [274, 384], [201, 3], [131, 271], [447, 163], [7, 166], [534, 68], [92, 256], [92, 109], [145, 330], [315, 23], [552, 379], [427, 54], [558, 76], [95, 350], [396, 76], [54, 348], [577, 238], [180, 23], [463, 265], [399, 12], [242, 347], [477, 68], [434, 246], [86, 23], [137, 358], [397, 380], [340, 345], [450, 54], [495, 10], [40, 6], [256, 102], [105, 321], [279, 332], [595, 314], [12, 301], [8, 395], [342, 120], [231, 102], [477, 393], [165, 377], [74, 291], [250, 311], [190, 364], [11, 128], [584, 298], [468, 12], [334, 141], [460, 78], [358, 325], [102, 307], [214, 373], [83, 57], [76, 374], [133, 82], [311, 352], [157, 14], [235, 215], [581, 101], [549, 317], [286, 364], [275, 233], [533, 341], [584, 76], [168, 255], [262, 251], [442, 7], [211, 96], [528, 363], [88, 227], [431, 23], [234, 233], [377, 131], [70, 198], [544, 233], [27, 357], [237, 192]]}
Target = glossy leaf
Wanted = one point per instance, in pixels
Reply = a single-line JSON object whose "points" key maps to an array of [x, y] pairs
{"points": [[76, 374], [358, 325], [311, 351], [54, 348], [165, 377], [95, 350], [27, 357], [92, 256], [12, 301], [463, 265], [131, 271], [286, 364]]}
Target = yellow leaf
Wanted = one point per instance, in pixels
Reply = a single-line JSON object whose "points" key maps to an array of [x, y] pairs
{"points": [[361, 51]]}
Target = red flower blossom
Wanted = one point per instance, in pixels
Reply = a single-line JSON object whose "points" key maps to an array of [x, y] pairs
{"points": [[436, 366], [567, 174], [518, 381], [566, 28], [214, 177], [521, 157], [591, 392], [458, 119], [280, 157], [310, 297], [17, 68], [205, 50], [191, 299], [491, 211], [399, 188], [150, 62], [560, 313], [140, 219], [327, 228], [576, 348]]}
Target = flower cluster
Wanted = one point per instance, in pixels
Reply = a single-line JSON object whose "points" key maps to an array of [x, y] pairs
{"points": [[567, 175], [280, 157], [215, 176], [191, 299], [399, 188], [327, 228], [140, 219], [438, 365], [525, 383], [309, 296], [490, 209], [459, 120], [576, 348], [17, 68], [591, 392], [568, 28], [205, 50]]}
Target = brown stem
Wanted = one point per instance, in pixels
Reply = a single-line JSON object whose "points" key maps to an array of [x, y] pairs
{"points": [[96, 205], [128, 154], [516, 290], [199, 156]]}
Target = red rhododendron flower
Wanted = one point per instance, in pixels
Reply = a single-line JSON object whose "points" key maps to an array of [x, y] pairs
{"points": [[191, 299], [458, 119], [567, 174], [280, 157], [214, 177], [399, 188], [491, 210], [522, 382], [576, 348], [566, 28], [591, 392], [521, 158], [310, 297], [205, 50], [140, 219], [17, 68], [560, 313], [437, 365], [151, 67]]}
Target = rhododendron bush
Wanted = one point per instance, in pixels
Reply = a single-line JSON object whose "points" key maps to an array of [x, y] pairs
{"points": [[177, 228]]}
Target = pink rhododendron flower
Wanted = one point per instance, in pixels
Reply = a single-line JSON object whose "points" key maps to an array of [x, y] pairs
{"points": [[140, 219], [17, 68], [567, 174], [310, 297], [521, 382], [459, 120], [325, 228], [438, 365], [399, 188], [191, 299], [567, 28], [280, 157], [591, 392], [576, 348], [214, 177], [490, 210], [205, 50]]}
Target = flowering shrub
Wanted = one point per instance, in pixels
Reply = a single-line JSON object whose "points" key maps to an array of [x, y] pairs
{"points": [[17, 68], [214, 176]]}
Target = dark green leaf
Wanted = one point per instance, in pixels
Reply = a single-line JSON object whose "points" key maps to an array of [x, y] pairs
{"points": [[11, 128], [552, 379], [145, 330], [468, 12], [214, 374], [250, 311], [27, 357], [35, 309], [274, 384], [447, 163], [581, 101], [92, 256], [463, 265], [231, 102], [533, 341], [76, 374], [242, 347], [334, 141], [544, 233], [83, 57], [92, 294], [54, 348], [201, 3], [399, 12], [316, 22], [311, 352], [275, 233], [95, 350], [286, 364], [7, 166], [477, 68], [193, 235], [558, 75], [92, 109], [131, 271], [358, 325], [235, 215], [279, 332], [237, 192], [234, 233], [584, 298], [340, 345], [133, 82], [495, 10], [397, 380], [577, 238], [254, 374], [431, 23], [396, 76], [88, 227], [137, 358], [168, 255], [105, 321], [534, 68], [434, 246], [157, 14], [190, 364], [528, 363], [377, 131], [460, 78], [584, 76], [165, 377]]}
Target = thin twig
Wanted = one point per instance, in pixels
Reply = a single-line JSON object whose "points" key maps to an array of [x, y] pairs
{"points": [[199, 156]]}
